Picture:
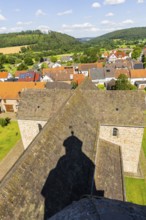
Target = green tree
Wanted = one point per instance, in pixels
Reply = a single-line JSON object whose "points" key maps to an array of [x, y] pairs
{"points": [[28, 61], [123, 83], [136, 53], [11, 59], [44, 65], [74, 85], [22, 66], [53, 59]]}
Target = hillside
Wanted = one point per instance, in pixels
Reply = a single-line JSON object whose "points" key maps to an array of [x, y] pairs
{"points": [[39, 41], [125, 34]]}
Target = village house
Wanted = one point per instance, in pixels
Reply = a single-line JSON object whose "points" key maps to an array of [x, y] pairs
{"points": [[84, 68], [19, 72], [102, 75], [60, 74], [29, 76], [10, 94], [137, 75], [4, 76], [117, 55]]}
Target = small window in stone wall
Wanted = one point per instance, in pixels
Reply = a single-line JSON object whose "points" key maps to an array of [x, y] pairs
{"points": [[115, 132]]}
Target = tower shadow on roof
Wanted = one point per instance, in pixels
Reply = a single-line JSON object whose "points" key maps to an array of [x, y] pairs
{"points": [[70, 180]]}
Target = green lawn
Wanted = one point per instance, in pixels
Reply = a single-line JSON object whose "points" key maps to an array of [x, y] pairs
{"points": [[9, 136], [135, 190], [144, 142]]}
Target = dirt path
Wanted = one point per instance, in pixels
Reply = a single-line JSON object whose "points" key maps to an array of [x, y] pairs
{"points": [[11, 115]]}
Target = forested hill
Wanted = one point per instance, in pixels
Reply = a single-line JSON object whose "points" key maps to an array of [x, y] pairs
{"points": [[39, 41], [125, 34]]}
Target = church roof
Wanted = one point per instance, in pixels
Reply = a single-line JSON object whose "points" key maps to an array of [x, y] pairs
{"points": [[58, 166], [105, 209]]}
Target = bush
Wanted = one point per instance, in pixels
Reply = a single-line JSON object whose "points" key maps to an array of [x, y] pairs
{"points": [[4, 121]]}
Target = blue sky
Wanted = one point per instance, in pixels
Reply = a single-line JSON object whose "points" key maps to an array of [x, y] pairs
{"points": [[78, 18]]}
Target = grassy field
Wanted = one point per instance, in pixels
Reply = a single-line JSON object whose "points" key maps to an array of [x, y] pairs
{"points": [[9, 136], [144, 142], [135, 190]]}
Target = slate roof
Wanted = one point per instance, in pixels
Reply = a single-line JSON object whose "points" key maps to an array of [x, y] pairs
{"points": [[46, 153], [123, 108], [109, 169], [109, 72], [96, 73], [101, 209], [138, 66], [41, 104], [60, 161], [57, 85]]}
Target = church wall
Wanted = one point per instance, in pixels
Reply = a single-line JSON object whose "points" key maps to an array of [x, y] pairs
{"points": [[29, 129], [130, 140]]}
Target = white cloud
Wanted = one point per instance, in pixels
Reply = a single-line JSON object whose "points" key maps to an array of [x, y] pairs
{"points": [[43, 28], [128, 21], [109, 14], [20, 23], [2, 18], [140, 1], [113, 2], [64, 13], [16, 29], [40, 12], [96, 5], [3, 29], [107, 22], [116, 25], [85, 27]]}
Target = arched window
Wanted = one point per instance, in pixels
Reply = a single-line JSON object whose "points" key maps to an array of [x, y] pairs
{"points": [[115, 132]]}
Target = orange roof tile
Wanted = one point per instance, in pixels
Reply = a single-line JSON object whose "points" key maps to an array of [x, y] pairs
{"points": [[78, 78], [52, 70], [100, 65], [118, 72], [87, 66], [10, 90], [138, 73], [3, 75]]}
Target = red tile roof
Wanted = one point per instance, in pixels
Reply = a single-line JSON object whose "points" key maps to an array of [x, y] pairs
{"points": [[138, 73], [3, 75], [10, 90], [78, 78]]}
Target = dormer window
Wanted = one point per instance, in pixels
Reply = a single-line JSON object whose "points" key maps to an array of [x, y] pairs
{"points": [[115, 132]]}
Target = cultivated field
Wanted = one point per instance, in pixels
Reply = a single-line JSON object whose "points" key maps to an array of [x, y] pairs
{"points": [[11, 50]]}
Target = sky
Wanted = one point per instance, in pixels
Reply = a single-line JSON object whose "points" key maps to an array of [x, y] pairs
{"points": [[77, 18]]}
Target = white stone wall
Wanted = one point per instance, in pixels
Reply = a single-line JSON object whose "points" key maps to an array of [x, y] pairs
{"points": [[130, 140], [12, 102], [29, 129]]}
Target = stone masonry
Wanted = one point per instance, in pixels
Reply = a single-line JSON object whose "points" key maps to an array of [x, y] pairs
{"points": [[130, 140], [29, 130]]}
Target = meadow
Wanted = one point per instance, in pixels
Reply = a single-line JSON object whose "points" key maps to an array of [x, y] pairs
{"points": [[9, 136]]}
